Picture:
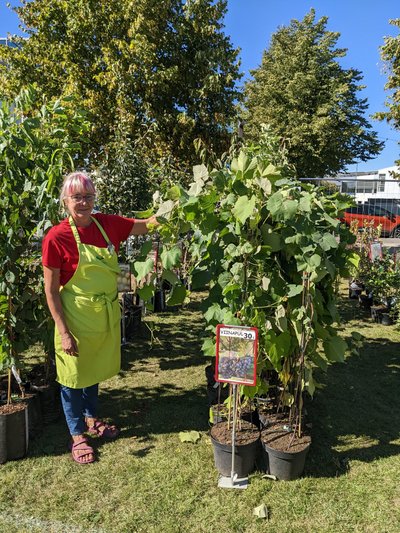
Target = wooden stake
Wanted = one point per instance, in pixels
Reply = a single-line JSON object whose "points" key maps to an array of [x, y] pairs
{"points": [[230, 405], [9, 387]]}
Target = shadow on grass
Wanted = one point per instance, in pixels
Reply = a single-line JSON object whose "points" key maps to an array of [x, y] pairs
{"points": [[350, 310], [143, 411], [167, 406], [355, 416], [177, 343], [146, 411]]}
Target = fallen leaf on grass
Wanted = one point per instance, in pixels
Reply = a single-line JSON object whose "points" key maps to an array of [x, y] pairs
{"points": [[189, 436], [261, 511]]}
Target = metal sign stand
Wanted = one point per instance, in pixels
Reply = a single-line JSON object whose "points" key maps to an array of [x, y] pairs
{"points": [[233, 482]]}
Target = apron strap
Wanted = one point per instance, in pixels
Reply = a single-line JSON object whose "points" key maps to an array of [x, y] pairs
{"points": [[74, 230], [102, 231], [110, 245]]}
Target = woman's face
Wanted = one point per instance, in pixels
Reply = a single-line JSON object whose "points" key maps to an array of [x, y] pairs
{"points": [[80, 205]]}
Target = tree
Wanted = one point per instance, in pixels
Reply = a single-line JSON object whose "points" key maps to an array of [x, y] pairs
{"points": [[164, 67], [123, 181], [310, 101], [390, 53]]}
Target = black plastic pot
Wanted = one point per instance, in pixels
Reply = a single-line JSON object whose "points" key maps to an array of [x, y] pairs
{"points": [[14, 435], [133, 321], [159, 301], [377, 312], [137, 312], [365, 301], [245, 457], [50, 401], [35, 416], [3, 439], [386, 319], [285, 465]]}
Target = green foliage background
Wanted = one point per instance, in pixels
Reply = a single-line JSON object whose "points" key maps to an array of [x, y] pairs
{"points": [[390, 53], [165, 70], [39, 141]]}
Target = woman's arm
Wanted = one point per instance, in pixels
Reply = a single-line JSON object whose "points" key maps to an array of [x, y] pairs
{"points": [[140, 225], [52, 291]]}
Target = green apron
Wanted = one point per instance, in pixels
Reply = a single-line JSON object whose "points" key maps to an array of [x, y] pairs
{"points": [[92, 312]]}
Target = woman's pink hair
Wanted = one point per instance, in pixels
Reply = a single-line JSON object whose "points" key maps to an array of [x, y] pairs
{"points": [[76, 182]]}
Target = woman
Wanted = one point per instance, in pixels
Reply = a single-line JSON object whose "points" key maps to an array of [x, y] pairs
{"points": [[80, 275]]}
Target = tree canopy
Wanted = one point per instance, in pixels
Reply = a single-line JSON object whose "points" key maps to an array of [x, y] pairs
{"points": [[390, 53], [310, 101], [164, 69]]}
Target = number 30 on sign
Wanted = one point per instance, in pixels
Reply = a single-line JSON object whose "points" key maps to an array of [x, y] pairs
{"points": [[236, 355]]}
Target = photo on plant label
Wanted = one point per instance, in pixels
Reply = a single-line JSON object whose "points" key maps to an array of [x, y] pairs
{"points": [[236, 354]]}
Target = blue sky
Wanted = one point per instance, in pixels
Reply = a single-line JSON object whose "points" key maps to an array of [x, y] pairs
{"points": [[363, 24]]}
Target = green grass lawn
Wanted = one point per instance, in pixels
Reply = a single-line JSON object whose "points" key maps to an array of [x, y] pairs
{"points": [[148, 481]]}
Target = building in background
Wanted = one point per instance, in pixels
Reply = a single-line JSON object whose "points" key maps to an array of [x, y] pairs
{"points": [[377, 184], [6, 41]]}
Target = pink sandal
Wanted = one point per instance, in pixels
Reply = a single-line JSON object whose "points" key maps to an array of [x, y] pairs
{"points": [[81, 449], [102, 429]]}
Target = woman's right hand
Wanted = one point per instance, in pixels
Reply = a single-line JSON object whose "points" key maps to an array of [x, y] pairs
{"points": [[68, 344]]}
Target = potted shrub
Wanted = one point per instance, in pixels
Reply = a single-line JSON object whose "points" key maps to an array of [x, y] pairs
{"points": [[383, 279], [369, 235], [13, 415], [271, 250], [247, 437], [285, 440]]}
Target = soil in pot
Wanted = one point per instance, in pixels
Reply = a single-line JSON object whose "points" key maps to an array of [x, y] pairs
{"points": [[13, 431], [267, 415], [285, 452], [246, 445]]}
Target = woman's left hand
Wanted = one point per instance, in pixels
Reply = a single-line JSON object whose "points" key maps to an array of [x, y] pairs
{"points": [[143, 225], [152, 222]]}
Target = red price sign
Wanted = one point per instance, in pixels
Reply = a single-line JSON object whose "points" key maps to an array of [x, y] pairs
{"points": [[236, 357]]}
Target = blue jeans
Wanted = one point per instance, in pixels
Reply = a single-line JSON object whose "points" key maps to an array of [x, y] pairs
{"points": [[78, 404]]}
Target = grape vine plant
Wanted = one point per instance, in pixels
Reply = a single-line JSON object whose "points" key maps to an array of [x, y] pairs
{"points": [[270, 250]]}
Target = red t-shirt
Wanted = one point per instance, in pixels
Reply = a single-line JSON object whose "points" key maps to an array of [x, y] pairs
{"points": [[59, 248]]}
